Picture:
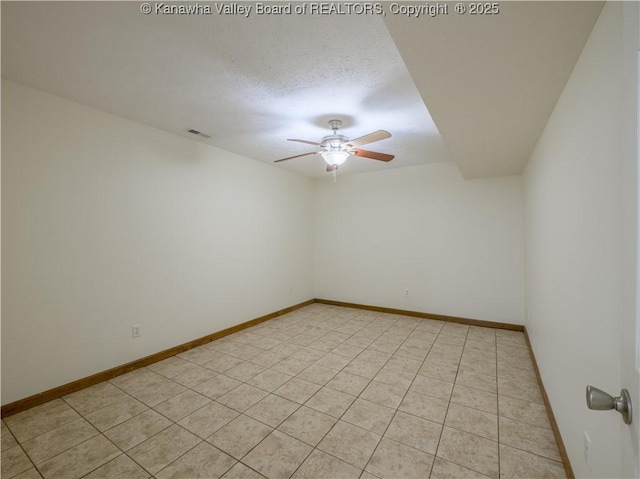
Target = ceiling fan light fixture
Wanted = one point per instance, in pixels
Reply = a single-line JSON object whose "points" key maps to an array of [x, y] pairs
{"points": [[335, 157], [335, 148]]}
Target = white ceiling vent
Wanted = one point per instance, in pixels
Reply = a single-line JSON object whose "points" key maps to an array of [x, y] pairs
{"points": [[198, 133]]}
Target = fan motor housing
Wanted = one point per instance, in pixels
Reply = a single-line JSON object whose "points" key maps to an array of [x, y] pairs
{"points": [[334, 142]]}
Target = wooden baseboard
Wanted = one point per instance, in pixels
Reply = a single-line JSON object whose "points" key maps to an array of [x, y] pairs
{"points": [[552, 420], [43, 397], [418, 314]]}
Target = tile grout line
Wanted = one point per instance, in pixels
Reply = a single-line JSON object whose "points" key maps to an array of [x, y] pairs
{"points": [[399, 404], [519, 420], [345, 411], [357, 397], [100, 433], [149, 407], [444, 420], [33, 463], [341, 370], [241, 413], [313, 448], [370, 380]]}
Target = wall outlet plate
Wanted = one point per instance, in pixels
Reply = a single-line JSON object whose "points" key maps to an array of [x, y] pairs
{"points": [[135, 331]]}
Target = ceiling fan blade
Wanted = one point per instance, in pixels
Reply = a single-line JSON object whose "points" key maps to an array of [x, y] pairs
{"points": [[374, 155], [296, 156], [370, 138], [304, 141]]}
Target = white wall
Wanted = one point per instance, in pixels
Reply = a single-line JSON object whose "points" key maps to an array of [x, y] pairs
{"points": [[573, 236], [456, 244], [108, 223]]}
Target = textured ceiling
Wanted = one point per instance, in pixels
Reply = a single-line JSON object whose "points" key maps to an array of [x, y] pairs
{"points": [[251, 83], [490, 82]]}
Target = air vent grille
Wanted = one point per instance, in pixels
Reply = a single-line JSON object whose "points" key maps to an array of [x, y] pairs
{"points": [[197, 133]]}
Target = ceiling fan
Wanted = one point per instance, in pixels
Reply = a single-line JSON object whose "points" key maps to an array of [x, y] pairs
{"points": [[335, 148]]}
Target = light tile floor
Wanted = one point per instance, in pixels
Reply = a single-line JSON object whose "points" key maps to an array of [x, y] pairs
{"points": [[322, 392]]}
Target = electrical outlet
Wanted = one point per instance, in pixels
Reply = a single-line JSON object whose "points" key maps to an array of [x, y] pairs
{"points": [[135, 331], [587, 450], [290, 289], [406, 292]]}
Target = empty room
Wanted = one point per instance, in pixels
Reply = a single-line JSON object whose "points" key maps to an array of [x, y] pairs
{"points": [[320, 240]]}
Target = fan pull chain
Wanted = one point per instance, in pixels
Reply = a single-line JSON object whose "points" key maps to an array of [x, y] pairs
{"points": [[335, 173]]}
